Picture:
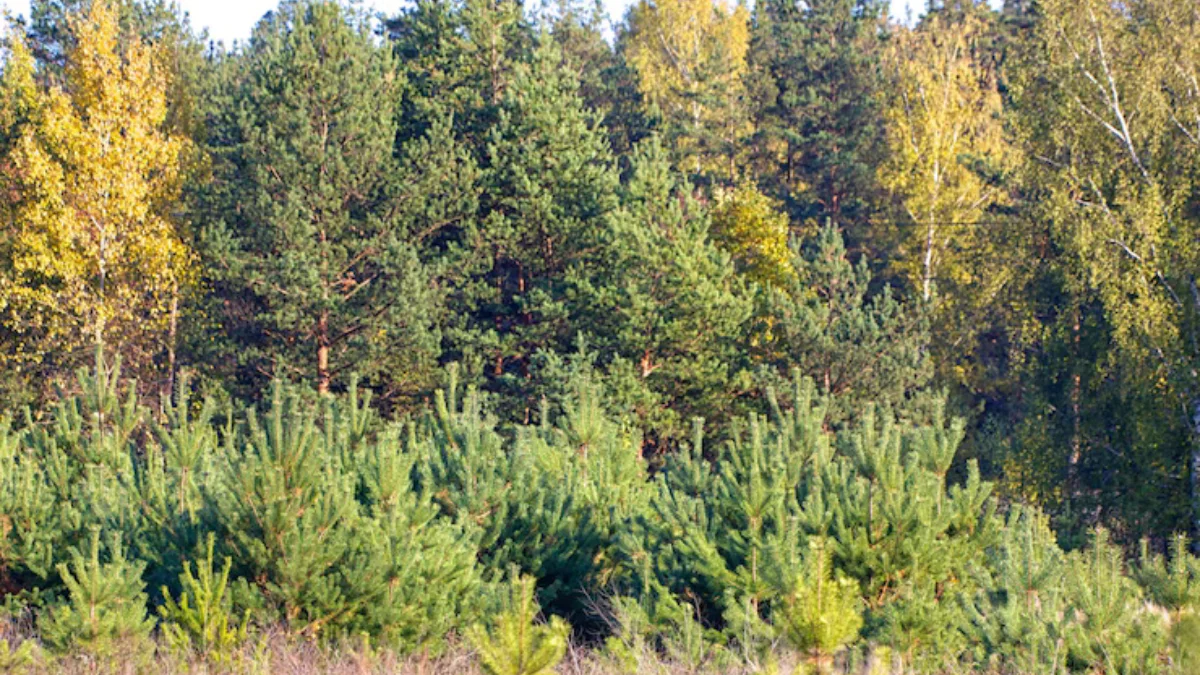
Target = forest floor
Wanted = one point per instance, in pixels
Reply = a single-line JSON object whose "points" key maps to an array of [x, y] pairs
{"points": [[272, 654]]}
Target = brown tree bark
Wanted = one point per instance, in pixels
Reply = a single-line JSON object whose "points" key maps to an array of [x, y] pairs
{"points": [[323, 353]]}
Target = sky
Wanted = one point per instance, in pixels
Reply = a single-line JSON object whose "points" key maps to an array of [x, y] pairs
{"points": [[229, 20]]}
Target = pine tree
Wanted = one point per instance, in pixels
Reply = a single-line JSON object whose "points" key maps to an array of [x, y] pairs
{"points": [[18, 660], [814, 75], [202, 618], [549, 188], [1175, 585], [877, 492], [413, 575], [819, 612], [458, 59], [312, 235], [83, 449], [105, 611], [27, 510], [664, 302], [1110, 633], [288, 513], [515, 645], [1016, 618], [550, 504], [859, 344], [322, 515]]}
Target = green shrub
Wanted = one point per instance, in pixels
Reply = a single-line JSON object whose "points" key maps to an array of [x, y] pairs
{"points": [[819, 612], [1112, 629], [105, 610], [202, 619], [514, 644], [1016, 619], [19, 660]]}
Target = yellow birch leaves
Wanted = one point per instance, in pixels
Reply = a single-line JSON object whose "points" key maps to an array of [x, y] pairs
{"points": [[690, 58], [90, 251], [754, 229], [942, 112]]}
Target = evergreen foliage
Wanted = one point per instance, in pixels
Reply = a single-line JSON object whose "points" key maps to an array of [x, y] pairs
{"points": [[815, 74], [314, 220], [202, 618], [1111, 630], [819, 612], [515, 645], [746, 338], [17, 660], [549, 187], [333, 522], [1018, 613], [663, 283], [859, 346], [105, 609]]}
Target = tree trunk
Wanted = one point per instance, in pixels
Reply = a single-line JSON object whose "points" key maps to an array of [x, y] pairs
{"points": [[927, 263], [1195, 475], [1076, 396], [172, 335], [323, 353]]}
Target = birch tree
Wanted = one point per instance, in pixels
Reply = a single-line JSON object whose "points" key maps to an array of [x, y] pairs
{"points": [[1110, 101], [942, 114], [690, 57], [92, 253]]}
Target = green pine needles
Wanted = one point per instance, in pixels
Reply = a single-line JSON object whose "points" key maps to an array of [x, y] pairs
{"points": [[514, 644], [818, 612], [105, 608], [318, 518], [202, 619]]}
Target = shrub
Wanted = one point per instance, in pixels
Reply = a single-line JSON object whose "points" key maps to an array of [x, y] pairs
{"points": [[105, 609], [202, 618], [819, 613], [514, 644]]}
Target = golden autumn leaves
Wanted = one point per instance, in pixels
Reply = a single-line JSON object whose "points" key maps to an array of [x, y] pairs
{"points": [[89, 251], [941, 112], [690, 59]]}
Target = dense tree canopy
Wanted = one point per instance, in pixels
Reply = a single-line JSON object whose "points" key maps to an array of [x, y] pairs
{"points": [[705, 311]]}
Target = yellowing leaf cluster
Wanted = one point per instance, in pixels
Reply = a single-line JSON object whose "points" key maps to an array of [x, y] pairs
{"points": [[90, 249], [754, 229], [690, 58], [943, 118]]}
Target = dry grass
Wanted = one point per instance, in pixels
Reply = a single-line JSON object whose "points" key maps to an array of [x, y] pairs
{"points": [[274, 653], [279, 657]]}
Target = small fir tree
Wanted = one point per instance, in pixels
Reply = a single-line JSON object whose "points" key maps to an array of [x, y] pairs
{"points": [[1174, 584], [1109, 632], [203, 619], [514, 644], [1017, 616], [819, 611], [105, 610]]}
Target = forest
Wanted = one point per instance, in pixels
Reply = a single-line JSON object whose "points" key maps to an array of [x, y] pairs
{"points": [[514, 338]]}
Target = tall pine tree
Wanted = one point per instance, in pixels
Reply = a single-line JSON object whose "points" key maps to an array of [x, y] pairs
{"points": [[814, 74], [314, 220], [548, 187]]}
